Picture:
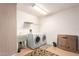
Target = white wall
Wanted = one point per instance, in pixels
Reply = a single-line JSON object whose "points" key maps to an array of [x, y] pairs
{"points": [[64, 22], [7, 29], [26, 17]]}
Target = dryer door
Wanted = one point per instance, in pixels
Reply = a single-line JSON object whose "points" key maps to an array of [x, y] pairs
{"points": [[44, 38], [37, 40]]}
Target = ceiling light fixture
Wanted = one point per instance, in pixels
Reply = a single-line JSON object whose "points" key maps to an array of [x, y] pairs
{"points": [[39, 9]]}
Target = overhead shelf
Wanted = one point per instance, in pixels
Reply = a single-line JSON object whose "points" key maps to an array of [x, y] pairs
{"points": [[28, 23]]}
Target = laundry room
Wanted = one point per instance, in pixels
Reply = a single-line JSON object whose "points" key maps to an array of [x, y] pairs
{"points": [[39, 29], [48, 21]]}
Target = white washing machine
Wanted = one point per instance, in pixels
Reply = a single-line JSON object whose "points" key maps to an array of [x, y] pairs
{"points": [[34, 41]]}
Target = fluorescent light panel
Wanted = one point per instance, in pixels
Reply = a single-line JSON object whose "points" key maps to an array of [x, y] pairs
{"points": [[40, 9]]}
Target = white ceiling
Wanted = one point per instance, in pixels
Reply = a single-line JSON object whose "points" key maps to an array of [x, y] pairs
{"points": [[50, 7]]}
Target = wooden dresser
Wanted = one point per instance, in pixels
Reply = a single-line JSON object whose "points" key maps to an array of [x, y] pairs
{"points": [[68, 42]]}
